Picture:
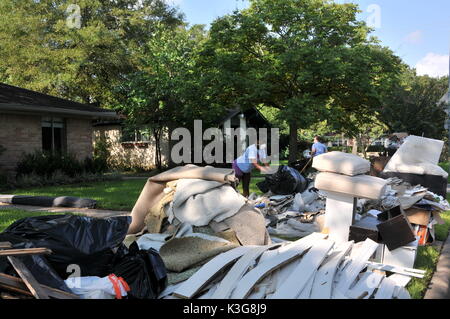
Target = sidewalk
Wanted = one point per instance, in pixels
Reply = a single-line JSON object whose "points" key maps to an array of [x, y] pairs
{"points": [[101, 213], [439, 285]]}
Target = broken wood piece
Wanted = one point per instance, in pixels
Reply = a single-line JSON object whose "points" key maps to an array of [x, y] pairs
{"points": [[357, 264], [5, 245], [365, 286], [298, 279], [323, 283], [28, 278], [306, 292], [399, 270], [288, 254], [236, 273], [25, 251], [208, 271], [17, 285], [386, 289], [400, 280]]}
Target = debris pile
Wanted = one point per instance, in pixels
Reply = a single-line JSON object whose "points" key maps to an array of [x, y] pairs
{"points": [[313, 267], [338, 234]]}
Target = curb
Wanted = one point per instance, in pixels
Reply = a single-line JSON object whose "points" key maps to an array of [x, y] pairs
{"points": [[439, 287]]}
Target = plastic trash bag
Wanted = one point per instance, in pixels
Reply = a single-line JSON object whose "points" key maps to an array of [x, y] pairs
{"points": [[144, 271], [90, 244], [91, 287], [285, 181], [36, 264]]}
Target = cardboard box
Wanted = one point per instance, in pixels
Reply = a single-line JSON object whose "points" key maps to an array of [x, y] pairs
{"points": [[418, 216]]}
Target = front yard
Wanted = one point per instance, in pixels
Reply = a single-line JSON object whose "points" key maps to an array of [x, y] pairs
{"points": [[121, 195]]}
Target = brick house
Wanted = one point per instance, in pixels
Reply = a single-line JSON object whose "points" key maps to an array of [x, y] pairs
{"points": [[32, 121]]}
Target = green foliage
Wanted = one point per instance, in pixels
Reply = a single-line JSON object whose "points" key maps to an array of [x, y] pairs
{"points": [[310, 59], [46, 164], [412, 106], [41, 50]]}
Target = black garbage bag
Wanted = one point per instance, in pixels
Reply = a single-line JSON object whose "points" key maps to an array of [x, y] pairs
{"points": [[36, 264], [90, 243], [285, 181], [144, 271]]}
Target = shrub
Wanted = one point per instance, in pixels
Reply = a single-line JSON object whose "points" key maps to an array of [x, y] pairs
{"points": [[48, 165]]}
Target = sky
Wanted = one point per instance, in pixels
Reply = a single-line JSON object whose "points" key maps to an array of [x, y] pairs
{"points": [[418, 31]]}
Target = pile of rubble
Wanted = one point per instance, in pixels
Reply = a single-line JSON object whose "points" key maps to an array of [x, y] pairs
{"points": [[338, 233]]}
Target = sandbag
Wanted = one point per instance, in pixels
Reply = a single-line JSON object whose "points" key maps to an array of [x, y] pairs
{"points": [[285, 181], [90, 243], [144, 271], [47, 201]]}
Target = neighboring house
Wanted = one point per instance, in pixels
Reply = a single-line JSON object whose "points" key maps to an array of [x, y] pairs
{"points": [[137, 149], [32, 121], [130, 150], [250, 118]]}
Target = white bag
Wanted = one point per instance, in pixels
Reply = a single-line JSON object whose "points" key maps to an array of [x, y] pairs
{"points": [[92, 287]]}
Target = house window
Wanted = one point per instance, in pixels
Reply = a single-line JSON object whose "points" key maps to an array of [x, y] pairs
{"points": [[135, 135], [53, 134]]}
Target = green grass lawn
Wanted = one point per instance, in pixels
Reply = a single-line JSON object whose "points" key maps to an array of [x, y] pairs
{"points": [[114, 195], [446, 167], [9, 216]]}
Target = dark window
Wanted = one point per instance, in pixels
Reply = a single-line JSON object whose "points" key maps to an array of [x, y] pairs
{"points": [[53, 134], [135, 135]]}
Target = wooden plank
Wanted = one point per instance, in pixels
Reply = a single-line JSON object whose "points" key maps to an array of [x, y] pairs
{"points": [[17, 285], [323, 283], [306, 292], [350, 273], [5, 244], [26, 251], [386, 289], [298, 279], [28, 278], [236, 273], [401, 293], [365, 286], [290, 252], [400, 280], [399, 270], [5, 295], [205, 274]]}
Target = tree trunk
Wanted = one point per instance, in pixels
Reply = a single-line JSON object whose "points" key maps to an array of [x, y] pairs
{"points": [[293, 142], [157, 137], [355, 146]]}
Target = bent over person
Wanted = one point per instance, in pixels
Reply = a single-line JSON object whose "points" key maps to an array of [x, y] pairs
{"points": [[243, 165]]}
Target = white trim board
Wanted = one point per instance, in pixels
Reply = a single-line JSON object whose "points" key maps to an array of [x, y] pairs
{"points": [[290, 252], [207, 272], [306, 292], [399, 270], [357, 264], [386, 289], [323, 282], [365, 286], [236, 273], [298, 279]]}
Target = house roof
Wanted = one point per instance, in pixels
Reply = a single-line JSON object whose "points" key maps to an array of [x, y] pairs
{"points": [[15, 99], [249, 113]]}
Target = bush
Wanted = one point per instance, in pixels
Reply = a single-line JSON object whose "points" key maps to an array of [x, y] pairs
{"points": [[48, 165]]}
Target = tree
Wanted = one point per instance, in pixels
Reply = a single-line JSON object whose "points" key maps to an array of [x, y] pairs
{"points": [[163, 94], [412, 106], [82, 51], [297, 56]]}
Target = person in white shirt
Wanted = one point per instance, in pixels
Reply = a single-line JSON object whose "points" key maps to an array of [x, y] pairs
{"points": [[255, 156]]}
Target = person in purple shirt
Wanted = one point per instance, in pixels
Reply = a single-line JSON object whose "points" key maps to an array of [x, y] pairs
{"points": [[318, 147]]}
